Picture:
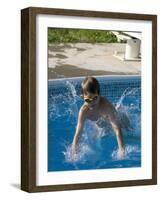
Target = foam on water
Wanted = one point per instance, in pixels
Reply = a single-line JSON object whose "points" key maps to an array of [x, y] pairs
{"points": [[80, 156], [129, 150]]}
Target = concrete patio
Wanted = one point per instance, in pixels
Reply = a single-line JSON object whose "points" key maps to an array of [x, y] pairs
{"points": [[82, 59]]}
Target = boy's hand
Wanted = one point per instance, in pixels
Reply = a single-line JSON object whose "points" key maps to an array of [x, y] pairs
{"points": [[73, 152], [121, 153]]}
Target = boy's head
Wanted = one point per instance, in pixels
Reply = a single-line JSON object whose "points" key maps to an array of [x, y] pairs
{"points": [[90, 85], [90, 88]]}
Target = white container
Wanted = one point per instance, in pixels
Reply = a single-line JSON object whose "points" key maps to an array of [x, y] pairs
{"points": [[132, 48]]}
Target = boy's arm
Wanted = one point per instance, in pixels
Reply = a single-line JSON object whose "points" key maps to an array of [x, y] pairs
{"points": [[118, 133], [80, 123], [115, 125]]}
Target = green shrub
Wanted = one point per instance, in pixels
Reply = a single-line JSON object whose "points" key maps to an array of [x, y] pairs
{"points": [[64, 35]]}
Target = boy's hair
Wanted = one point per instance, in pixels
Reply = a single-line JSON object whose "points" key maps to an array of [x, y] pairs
{"points": [[90, 84]]}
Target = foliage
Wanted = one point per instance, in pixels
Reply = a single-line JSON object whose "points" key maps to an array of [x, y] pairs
{"points": [[64, 35]]}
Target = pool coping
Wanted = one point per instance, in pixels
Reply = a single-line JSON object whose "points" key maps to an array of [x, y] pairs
{"points": [[103, 76]]}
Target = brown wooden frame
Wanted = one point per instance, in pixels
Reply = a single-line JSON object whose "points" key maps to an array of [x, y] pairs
{"points": [[28, 98]]}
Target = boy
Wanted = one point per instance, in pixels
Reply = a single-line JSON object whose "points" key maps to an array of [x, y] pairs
{"points": [[94, 108]]}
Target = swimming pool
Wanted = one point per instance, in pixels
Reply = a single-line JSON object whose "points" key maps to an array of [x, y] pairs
{"points": [[98, 146]]}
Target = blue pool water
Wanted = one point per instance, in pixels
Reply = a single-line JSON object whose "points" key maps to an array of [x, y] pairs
{"points": [[98, 146]]}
